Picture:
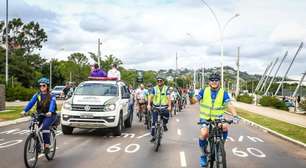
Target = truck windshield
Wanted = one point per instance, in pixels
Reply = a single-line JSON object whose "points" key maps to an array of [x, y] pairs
{"points": [[97, 89]]}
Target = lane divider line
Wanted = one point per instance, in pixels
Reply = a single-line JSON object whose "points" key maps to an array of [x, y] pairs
{"points": [[141, 136], [179, 132], [183, 159]]}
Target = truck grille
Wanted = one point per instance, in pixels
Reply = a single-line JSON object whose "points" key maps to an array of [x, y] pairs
{"points": [[88, 108]]}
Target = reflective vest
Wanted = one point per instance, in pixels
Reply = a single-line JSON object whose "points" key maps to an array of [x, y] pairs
{"points": [[208, 108], [160, 97]]}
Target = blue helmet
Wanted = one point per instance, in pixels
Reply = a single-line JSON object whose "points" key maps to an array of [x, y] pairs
{"points": [[44, 80]]}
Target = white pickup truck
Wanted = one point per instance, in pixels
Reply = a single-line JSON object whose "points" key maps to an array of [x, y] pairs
{"points": [[97, 104]]}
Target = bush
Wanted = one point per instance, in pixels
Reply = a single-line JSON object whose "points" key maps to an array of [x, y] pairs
{"points": [[272, 101], [19, 92], [245, 98], [303, 105]]}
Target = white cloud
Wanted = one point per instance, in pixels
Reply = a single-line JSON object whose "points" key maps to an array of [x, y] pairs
{"points": [[147, 34]]}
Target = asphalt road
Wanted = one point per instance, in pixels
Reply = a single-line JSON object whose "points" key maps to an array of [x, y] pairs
{"points": [[246, 147]]}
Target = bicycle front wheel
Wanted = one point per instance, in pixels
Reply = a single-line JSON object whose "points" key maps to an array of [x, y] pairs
{"points": [[30, 153], [221, 156], [52, 146], [158, 138]]}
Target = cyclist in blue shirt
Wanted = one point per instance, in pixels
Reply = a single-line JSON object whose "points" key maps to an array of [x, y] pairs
{"points": [[213, 102], [45, 104]]}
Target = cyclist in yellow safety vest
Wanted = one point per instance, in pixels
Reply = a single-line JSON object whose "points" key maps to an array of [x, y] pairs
{"points": [[160, 96], [213, 102]]}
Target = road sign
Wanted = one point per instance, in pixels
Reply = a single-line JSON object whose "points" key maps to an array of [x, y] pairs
{"points": [[139, 77]]}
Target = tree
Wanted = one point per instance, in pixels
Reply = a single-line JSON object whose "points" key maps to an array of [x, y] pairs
{"points": [[78, 58], [25, 36], [109, 60]]}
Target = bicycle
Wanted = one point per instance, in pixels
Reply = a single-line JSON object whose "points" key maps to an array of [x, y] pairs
{"points": [[159, 128], [34, 144], [216, 152]]}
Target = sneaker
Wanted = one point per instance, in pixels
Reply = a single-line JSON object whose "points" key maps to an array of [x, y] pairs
{"points": [[47, 150], [165, 128], [203, 161], [152, 140]]}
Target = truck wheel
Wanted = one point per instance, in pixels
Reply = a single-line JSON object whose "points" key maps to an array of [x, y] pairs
{"points": [[117, 130], [128, 121], [67, 130]]}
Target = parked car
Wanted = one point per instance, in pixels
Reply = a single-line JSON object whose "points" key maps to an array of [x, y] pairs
{"points": [[97, 104], [57, 91]]}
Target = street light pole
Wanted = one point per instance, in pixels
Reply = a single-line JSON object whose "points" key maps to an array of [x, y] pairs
{"points": [[99, 52], [221, 31], [6, 44]]}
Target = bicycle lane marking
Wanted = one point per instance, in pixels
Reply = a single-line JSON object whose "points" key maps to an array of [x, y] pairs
{"points": [[179, 132], [183, 159]]}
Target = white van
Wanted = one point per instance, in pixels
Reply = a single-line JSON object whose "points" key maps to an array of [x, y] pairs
{"points": [[97, 104]]}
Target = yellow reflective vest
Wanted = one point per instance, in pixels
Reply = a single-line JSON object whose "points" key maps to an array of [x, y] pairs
{"points": [[208, 108], [160, 97]]}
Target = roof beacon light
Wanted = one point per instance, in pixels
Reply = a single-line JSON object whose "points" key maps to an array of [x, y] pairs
{"points": [[103, 78]]}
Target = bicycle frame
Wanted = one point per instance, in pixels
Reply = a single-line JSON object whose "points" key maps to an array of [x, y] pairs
{"points": [[36, 130]]}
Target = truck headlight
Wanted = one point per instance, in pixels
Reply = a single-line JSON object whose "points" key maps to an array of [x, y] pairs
{"points": [[67, 106], [110, 107]]}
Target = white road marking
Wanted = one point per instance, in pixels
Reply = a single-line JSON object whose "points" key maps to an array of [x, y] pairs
{"points": [[10, 131], [183, 159], [125, 135], [240, 139], [141, 136], [179, 132], [177, 120]]}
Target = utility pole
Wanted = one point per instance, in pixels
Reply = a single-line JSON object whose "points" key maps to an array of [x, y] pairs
{"points": [[276, 72], [238, 71], [203, 77], [284, 77], [176, 64], [6, 45], [99, 52], [300, 84], [194, 79], [268, 76], [50, 73]]}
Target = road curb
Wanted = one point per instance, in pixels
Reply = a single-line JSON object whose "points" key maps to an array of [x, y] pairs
{"points": [[12, 122], [268, 130]]}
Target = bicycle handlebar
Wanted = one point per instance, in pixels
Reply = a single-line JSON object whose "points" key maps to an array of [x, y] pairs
{"points": [[216, 121]]}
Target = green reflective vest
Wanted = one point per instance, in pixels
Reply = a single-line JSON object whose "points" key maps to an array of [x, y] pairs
{"points": [[160, 97], [208, 108]]}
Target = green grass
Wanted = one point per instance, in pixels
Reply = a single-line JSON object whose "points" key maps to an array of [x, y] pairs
{"points": [[15, 112], [290, 130]]}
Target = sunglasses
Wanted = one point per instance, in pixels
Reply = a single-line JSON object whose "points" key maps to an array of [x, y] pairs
{"points": [[42, 85], [214, 80], [159, 80]]}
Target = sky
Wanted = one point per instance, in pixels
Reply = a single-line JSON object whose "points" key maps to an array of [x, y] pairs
{"points": [[147, 34]]}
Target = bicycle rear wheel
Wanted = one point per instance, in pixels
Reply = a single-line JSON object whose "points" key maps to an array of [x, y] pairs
{"points": [[52, 146], [30, 153], [221, 155]]}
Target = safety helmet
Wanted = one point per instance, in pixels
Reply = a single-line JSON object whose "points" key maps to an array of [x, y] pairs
{"points": [[160, 78], [214, 76], [43, 80]]}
